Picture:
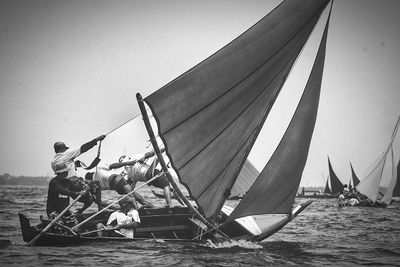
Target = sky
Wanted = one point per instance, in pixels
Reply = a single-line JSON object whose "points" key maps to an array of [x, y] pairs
{"points": [[70, 70]]}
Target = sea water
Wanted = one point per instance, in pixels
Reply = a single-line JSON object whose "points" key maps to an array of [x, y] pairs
{"points": [[322, 235]]}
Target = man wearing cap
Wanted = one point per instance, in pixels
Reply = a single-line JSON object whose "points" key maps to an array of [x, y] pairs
{"points": [[63, 164], [64, 157]]}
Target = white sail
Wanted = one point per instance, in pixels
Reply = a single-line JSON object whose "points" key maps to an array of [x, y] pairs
{"points": [[387, 197], [371, 185]]}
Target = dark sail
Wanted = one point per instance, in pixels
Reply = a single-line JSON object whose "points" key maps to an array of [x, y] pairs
{"points": [[336, 184], [210, 116], [396, 191], [276, 187]]}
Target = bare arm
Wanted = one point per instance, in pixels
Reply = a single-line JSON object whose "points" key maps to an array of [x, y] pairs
{"points": [[121, 164], [85, 147]]}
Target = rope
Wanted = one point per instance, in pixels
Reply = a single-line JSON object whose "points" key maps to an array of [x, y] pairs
{"points": [[116, 128], [200, 235]]}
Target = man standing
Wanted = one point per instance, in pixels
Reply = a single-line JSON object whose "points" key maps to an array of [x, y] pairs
{"points": [[64, 158], [63, 162]]}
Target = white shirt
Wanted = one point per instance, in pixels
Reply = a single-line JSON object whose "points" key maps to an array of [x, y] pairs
{"points": [[64, 161], [137, 172], [122, 218], [102, 174]]}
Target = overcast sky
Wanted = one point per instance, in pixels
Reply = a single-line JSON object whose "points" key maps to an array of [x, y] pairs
{"points": [[69, 71]]}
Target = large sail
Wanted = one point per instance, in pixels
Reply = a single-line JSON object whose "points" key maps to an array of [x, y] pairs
{"points": [[276, 187], [369, 186], [356, 181], [210, 116], [396, 190], [336, 184]]}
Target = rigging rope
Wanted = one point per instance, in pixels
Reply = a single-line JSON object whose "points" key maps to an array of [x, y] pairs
{"points": [[116, 128], [131, 119]]}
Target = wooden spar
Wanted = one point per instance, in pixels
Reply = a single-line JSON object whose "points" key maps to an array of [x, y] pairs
{"points": [[162, 162]]}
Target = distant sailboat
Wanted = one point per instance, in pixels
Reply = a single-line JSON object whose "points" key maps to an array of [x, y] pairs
{"points": [[327, 190], [371, 185], [336, 184], [396, 190], [246, 178]]}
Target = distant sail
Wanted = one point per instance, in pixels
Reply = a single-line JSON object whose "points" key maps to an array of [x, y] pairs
{"points": [[387, 195], [396, 190], [356, 181], [246, 178], [336, 184], [370, 185], [327, 189]]}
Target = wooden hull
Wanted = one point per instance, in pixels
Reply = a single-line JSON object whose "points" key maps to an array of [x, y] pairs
{"points": [[169, 224], [318, 196], [159, 223]]}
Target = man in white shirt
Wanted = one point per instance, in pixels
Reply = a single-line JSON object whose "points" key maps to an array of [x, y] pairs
{"points": [[111, 178], [63, 162], [123, 221], [137, 170]]}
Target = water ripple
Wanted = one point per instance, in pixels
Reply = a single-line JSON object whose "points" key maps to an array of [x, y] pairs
{"points": [[323, 235]]}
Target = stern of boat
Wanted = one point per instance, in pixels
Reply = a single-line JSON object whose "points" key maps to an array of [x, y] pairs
{"points": [[28, 231], [260, 227]]}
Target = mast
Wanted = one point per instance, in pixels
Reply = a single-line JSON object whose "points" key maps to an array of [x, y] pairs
{"points": [[163, 164]]}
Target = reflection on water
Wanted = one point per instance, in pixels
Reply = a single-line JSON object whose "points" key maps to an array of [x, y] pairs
{"points": [[324, 234]]}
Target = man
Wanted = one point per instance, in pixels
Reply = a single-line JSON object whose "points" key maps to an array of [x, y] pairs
{"points": [[58, 198], [138, 171], [123, 221], [346, 191], [111, 179], [64, 157], [63, 161]]}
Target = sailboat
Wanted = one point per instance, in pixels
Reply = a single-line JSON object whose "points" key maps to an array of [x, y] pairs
{"points": [[396, 190], [327, 189], [326, 193], [371, 186], [209, 119], [336, 184]]}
